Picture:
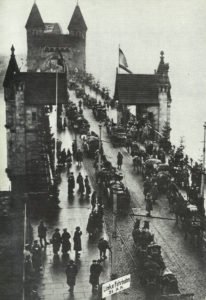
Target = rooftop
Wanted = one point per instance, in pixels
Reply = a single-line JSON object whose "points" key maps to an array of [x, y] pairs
{"points": [[40, 88], [137, 88]]}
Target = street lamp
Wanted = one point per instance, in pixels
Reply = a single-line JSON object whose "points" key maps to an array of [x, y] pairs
{"points": [[203, 165], [100, 145], [114, 240]]}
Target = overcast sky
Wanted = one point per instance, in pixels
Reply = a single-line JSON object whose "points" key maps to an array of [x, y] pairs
{"points": [[143, 28]]}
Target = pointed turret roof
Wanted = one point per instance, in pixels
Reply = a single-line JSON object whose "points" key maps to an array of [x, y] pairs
{"points": [[77, 21], [34, 19], [12, 69], [163, 67]]}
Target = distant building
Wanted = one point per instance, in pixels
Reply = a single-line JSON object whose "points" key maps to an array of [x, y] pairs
{"points": [[45, 39], [150, 93], [26, 95]]}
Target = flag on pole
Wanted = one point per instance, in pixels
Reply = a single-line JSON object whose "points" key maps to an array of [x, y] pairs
{"points": [[123, 62]]}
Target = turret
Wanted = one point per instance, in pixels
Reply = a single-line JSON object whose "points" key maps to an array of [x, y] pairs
{"points": [[35, 22], [11, 70], [77, 26]]}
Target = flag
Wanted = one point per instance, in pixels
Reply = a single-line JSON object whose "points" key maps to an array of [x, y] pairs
{"points": [[123, 62]]}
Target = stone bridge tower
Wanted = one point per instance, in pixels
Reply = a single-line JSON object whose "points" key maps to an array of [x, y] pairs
{"points": [[44, 40]]}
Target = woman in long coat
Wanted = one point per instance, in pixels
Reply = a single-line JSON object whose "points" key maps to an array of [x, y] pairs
{"points": [[119, 160], [77, 241]]}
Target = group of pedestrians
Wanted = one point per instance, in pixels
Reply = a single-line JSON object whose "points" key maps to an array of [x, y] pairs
{"points": [[33, 255], [83, 184]]}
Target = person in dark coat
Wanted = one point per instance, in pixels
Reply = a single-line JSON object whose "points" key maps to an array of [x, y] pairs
{"points": [[66, 245], [63, 156], [80, 182], [36, 256], [71, 273], [71, 183], [88, 191], [56, 241], [147, 186], [91, 225], [86, 181], [69, 154], [77, 242], [74, 149], [103, 245], [94, 200], [95, 271], [79, 157], [42, 234], [119, 160]]}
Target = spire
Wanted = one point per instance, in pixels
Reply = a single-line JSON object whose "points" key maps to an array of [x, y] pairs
{"points": [[34, 19], [12, 68], [77, 22], [163, 68]]}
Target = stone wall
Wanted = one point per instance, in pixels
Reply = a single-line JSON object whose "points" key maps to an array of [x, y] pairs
{"points": [[39, 55], [163, 108]]}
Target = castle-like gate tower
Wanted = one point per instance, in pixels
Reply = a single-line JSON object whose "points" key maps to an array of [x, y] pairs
{"points": [[44, 40]]}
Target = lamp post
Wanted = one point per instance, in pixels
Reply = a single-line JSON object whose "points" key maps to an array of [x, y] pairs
{"points": [[100, 145], [56, 121], [203, 165], [114, 241]]}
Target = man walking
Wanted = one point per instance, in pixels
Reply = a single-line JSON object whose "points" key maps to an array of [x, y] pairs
{"points": [[95, 271], [71, 273], [77, 242], [103, 245], [119, 160], [42, 234]]}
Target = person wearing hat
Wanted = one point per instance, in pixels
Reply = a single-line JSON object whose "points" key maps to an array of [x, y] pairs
{"points": [[95, 271], [94, 199], [56, 241], [66, 245], [86, 181], [42, 234], [79, 157], [77, 242], [36, 256], [71, 273], [119, 160], [80, 182], [71, 184], [103, 245]]}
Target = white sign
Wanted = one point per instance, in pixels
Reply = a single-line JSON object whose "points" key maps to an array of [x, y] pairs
{"points": [[116, 286]]}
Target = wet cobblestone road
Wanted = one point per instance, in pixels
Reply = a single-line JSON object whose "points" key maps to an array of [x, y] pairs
{"points": [[182, 257]]}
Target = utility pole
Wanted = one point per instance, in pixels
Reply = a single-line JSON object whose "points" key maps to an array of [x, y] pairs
{"points": [[203, 165], [100, 146], [55, 150], [114, 241]]}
